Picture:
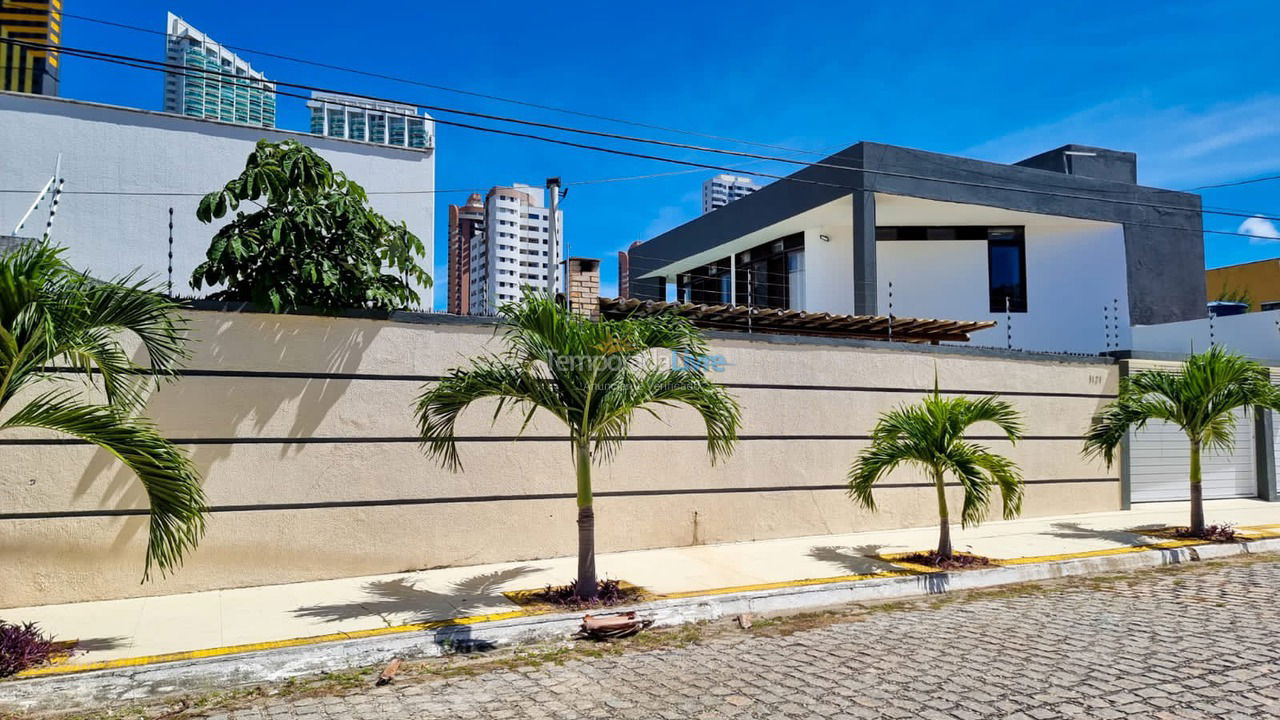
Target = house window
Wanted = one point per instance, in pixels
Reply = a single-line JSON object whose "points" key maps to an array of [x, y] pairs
{"points": [[706, 285], [1007, 270], [772, 275], [795, 280]]}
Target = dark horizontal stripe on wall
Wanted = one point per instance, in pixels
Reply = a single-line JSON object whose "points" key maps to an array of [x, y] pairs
{"points": [[281, 375], [944, 391], [397, 439], [402, 502]]}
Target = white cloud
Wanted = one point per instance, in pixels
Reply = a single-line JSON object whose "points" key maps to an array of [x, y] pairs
{"points": [[1263, 231], [1178, 146], [668, 217]]}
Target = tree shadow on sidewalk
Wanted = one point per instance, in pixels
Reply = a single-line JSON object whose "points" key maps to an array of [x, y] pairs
{"points": [[400, 601], [853, 560], [1124, 538]]}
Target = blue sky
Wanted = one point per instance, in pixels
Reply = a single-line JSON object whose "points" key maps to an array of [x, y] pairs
{"points": [[1190, 87]]}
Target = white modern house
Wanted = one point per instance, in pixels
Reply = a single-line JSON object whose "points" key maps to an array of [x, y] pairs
{"points": [[509, 248], [124, 170], [1064, 250]]}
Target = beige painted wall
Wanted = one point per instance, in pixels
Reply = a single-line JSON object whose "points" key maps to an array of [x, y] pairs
{"points": [[348, 492]]}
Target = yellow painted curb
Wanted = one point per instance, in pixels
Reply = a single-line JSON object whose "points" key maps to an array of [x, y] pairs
{"points": [[66, 668], [904, 570], [1163, 545], [783, 584]]}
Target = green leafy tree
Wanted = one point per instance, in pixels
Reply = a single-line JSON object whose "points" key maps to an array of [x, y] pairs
{"points": [[1202, 399], [51, 316], [591, 375], [312, 241], [931, 436]]}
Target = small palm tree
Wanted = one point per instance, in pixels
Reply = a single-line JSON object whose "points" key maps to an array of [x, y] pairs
{"points": [[930, 435], [1202, 399], [52, 315], [591, 375]]}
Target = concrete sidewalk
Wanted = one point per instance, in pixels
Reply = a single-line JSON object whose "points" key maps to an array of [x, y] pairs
{"points": [[137, 631]]}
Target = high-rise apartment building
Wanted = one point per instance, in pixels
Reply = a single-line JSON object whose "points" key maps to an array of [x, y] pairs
{"points": [[624, 271], [206, 88], [511, 250], [465, 223], [724, 189], [24, 68], [354, 118]]}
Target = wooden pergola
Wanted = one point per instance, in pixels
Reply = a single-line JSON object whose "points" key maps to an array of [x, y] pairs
{"points": [[797, 322]]}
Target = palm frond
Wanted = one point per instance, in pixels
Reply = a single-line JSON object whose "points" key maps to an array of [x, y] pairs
{"points": [[1202, 398], [594, 375], [172, 485], [930, 434], [441, 404]]}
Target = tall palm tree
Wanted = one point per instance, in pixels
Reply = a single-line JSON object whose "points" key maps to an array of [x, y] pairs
{"points": [[1201, 399], [931, 435], [51, 316], [591, 375]]}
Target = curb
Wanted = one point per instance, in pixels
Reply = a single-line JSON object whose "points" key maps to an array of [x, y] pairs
{"points": [[100, 688]]}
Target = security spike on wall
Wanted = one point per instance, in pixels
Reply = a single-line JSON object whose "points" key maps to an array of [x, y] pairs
{"points": [[170, 284]]}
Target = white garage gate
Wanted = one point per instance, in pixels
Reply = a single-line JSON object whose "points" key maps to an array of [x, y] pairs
{"points": [[1275, 449], [1160, 459]]}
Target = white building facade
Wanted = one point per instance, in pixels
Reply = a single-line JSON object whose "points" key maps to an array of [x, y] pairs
{"points": [[125, 169], [198, 92], [724, 189], [353, 118], [1064, 251], [512, 252]]}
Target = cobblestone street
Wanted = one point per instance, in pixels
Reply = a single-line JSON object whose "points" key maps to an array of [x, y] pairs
{"points": [[1185, 644]]}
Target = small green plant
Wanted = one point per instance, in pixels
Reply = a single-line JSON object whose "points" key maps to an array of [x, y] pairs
{"points": [[1234, 295], [313, 241], [930, 435]]}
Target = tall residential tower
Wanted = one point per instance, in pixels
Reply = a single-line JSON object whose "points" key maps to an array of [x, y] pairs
{"points": [[509, 249], [724, 189], [24, 68], [354, 118], [465, 223], [233, 92]]}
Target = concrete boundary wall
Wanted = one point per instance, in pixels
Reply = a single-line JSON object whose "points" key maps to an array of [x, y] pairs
{"points": [[303, 429]]}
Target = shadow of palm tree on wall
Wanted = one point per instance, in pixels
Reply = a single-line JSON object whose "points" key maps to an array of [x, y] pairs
{"points": [[852, 560], [400, 602]]}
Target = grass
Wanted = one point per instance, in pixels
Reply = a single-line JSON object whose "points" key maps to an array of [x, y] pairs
{"points": [[532, 658]]}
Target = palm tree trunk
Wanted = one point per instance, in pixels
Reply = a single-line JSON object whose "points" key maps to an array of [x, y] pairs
{"points": [[944, 526], [1197, 491], [587, 588]]}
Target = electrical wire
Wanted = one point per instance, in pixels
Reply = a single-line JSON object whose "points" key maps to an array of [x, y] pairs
{"points": [[140, 63], [433, 86], [1238, 182]]}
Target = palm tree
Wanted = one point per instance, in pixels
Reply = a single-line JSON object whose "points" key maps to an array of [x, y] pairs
{"points": [[591, 375], [1201, 399], [52, 315], [930, 435]]}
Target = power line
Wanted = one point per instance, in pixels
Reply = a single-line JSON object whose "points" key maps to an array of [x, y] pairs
{"points": [[143, 64], [433, 86], [155, 66], [1238, 182]]}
